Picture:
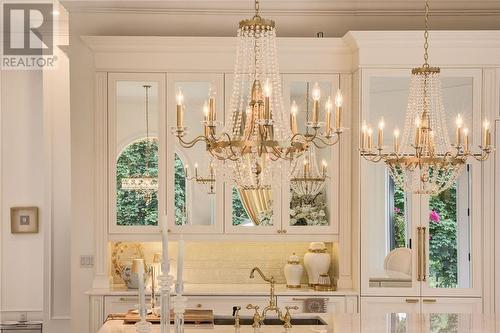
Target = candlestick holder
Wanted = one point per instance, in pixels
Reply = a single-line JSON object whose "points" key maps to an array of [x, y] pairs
{"points": [[143, 327], [180, 305], [165, 282]]}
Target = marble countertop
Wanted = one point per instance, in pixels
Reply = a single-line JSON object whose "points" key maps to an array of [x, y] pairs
{"points": [[227, 290], [355, 323]]}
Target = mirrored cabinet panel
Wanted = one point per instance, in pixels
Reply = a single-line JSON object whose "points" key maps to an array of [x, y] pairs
{"points": [[420, 244], [195, 188], [311, 185], [135, 106]]}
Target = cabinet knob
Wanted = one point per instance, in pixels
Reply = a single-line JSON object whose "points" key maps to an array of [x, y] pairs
{"points": [[169, 230], [199, 305], [278, 231], [283, 231]]}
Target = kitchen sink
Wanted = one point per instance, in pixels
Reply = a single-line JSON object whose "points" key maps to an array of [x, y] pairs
{"points": [[314, 321]]}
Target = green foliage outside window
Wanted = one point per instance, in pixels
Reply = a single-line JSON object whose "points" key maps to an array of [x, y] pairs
{"points": [[131, 206], [240, 215], [179, 191]]}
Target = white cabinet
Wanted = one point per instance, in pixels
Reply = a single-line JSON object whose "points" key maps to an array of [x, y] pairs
{"points": [[420, 245], [404, 313]]}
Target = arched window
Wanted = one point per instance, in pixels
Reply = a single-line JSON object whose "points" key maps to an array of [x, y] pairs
{"points": [[131, 206]]}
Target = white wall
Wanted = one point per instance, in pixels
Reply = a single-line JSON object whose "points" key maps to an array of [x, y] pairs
{"points": [[22, 184]]}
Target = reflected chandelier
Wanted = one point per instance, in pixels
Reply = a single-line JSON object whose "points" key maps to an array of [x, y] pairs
{"points": [[257, 137], [145, 184], [424, 161]]}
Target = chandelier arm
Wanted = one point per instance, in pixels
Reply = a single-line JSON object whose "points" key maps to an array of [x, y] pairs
{"points": [[190, 144]]}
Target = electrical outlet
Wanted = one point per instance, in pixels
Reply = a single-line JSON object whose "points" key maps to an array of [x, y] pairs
{"points": [[23, 317], [86, 261]]}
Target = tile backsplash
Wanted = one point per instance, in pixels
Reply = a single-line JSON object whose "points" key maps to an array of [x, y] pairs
{"points": [[219, 262]]}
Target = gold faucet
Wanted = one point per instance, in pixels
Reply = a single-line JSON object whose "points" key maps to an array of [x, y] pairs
{"points": [[273, 303]]}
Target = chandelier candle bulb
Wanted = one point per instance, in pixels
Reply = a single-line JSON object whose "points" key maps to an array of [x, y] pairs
{"points": [[370, 138], [323, 168], [196, 170], [267, 100], [417, 132], [487, 134], [316, 94], [338, 109], [306, 168], [180, 115], [328, 115], [396, 140], [380, 138], [459, 123], [363, 135], [212, 112], [466, 140], [293, 118]]}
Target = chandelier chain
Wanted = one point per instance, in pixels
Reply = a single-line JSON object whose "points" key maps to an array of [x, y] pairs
{"points": [[257, 8], [426, 35]]}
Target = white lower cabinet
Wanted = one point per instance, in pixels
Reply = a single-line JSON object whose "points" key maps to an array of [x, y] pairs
{"points": [[390, 314]]}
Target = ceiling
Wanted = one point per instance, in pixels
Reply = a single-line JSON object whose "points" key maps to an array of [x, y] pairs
{"points": [[318, 7], [294, 18]]}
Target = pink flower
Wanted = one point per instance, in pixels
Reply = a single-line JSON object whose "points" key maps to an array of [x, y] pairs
{"points": [[397, 210], [434, 217]]}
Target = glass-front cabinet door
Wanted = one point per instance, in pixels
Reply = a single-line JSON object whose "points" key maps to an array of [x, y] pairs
{"points": [[195, 198], [307, 210], [136, 107], [420, 245]]}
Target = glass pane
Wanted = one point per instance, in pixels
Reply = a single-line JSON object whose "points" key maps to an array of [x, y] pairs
{"points": [[262, 214], [311, 210], [398, 322], [137, 154], [449, 237], [189, 192], [443, 322], [385, 207]]}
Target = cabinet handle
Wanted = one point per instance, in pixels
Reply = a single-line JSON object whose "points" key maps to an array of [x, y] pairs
{"points": [[169, 230], [199, 305], [128, 299], [424, 255], [283, 231], [419, 265], [278, 231], [411, 300], [429, 300]]}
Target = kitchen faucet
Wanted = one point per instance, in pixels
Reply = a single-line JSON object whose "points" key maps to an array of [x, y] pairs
{"points": [[258, 319]]}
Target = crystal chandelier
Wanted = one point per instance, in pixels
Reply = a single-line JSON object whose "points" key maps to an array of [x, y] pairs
{"points": [[257, 138], [145, 184], [424, 161], [306, 178]]}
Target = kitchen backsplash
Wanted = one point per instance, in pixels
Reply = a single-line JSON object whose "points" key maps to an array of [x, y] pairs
{"points": [[219, 262]]}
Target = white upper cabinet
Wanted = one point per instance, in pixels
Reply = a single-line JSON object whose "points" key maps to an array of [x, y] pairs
{"points": [[193, 204], [136, 105], [420, 245]]}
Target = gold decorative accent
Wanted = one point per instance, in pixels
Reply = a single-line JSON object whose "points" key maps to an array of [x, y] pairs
{"points": [[320, 287], [317, 251], [298, 286], [426, 70]]}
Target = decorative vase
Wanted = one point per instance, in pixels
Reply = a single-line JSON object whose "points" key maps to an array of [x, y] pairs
{"points": [[316, 262], [293, 272], [130, 278]]}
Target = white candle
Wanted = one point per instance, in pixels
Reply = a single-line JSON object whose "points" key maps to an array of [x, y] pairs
{"points": [[487, 135], [328, 115], [364, 129], [267, 100], [164, 244], [324, 168], [138, 266], [370, 138], [180, 266], [466, 140]]}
